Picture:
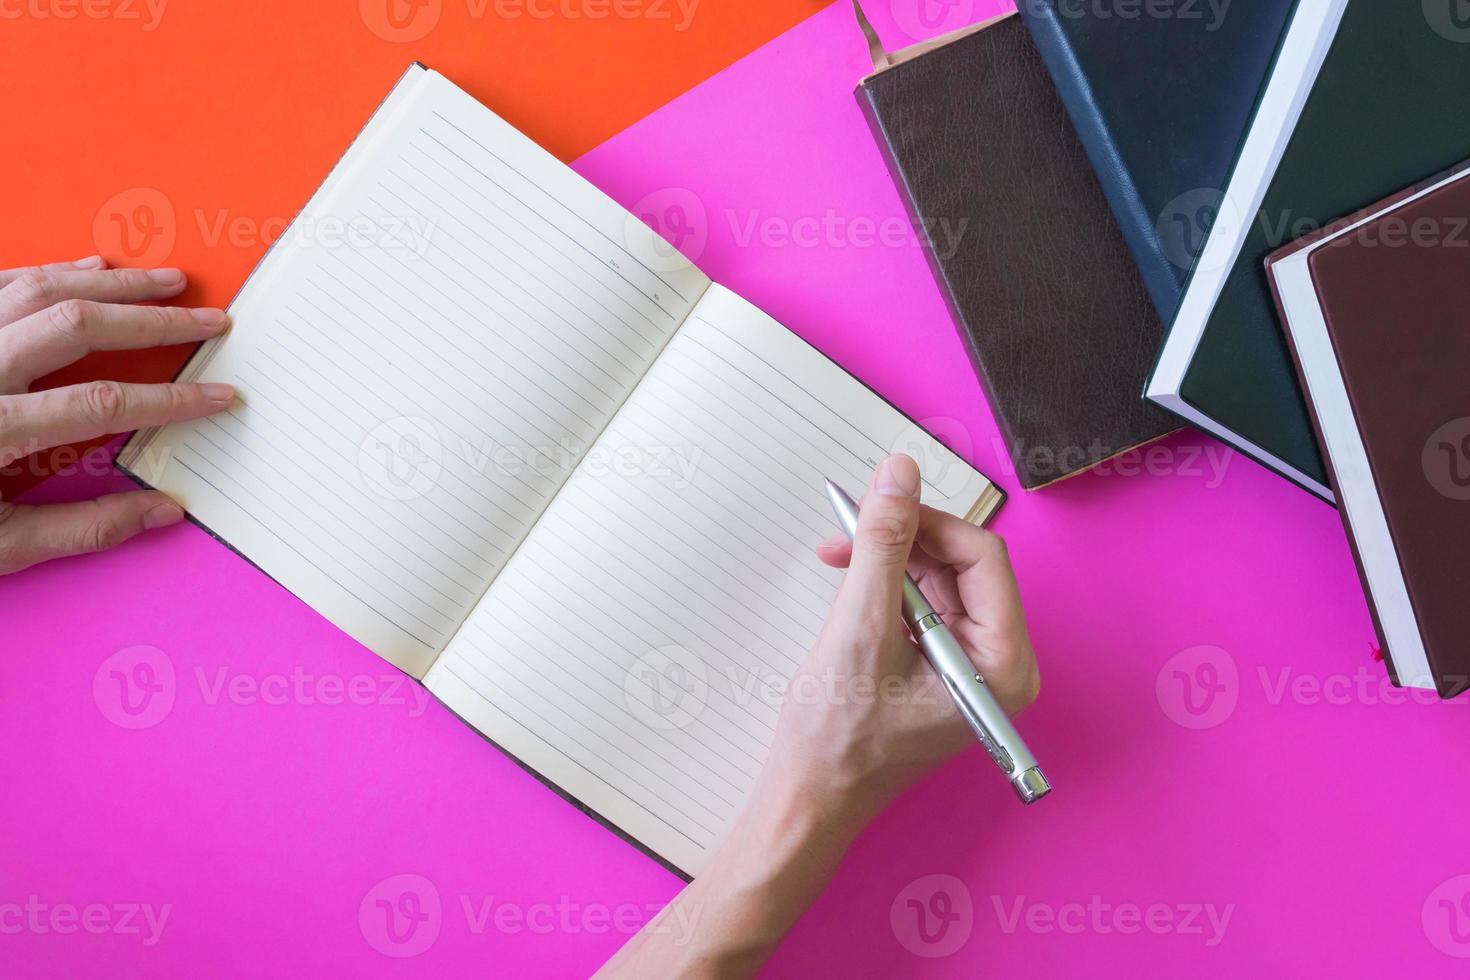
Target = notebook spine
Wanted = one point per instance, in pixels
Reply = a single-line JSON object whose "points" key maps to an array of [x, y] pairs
{"points": [[1140, 229]]}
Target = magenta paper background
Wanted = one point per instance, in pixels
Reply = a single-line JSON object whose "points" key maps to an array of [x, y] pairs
{"points": [[1236, 791]]}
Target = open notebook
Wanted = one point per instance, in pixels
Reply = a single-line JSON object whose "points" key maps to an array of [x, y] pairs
{"points": [[498, 431]]}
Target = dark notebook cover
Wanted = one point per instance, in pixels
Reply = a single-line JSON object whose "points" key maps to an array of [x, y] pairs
{"points": [[1162, 105], [1388, 110], [1395, 294], [1041, 285]]}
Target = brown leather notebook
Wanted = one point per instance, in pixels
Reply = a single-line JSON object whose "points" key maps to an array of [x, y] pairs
{"points": [[1377, 313], [1041, 285]]}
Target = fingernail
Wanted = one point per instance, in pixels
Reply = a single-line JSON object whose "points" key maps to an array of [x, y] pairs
{"points": [[224, 394], [209, 316], [166, 277], [90, 262], [898, 476], [162, 516]]}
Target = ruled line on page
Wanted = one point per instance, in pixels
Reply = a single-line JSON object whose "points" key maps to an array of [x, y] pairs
{"points": [[591, 773], [528, 640], [428, 386], [533, 337], [674, 607], [741, 465], [562, 204], [548, 730], [539, 278], [790, 530], [748, 767], [549, 376], [883, 450], [276, 429], [517, 305], [462, 206], [327, 510], [663, 636], [424, 388], [500, 503], [690, 571], [633, 759], [429, 607], [406, 632], [717, 563], [679, 363], [729, 544], [335, 445], [412, 634], [595, 270], [496, 298], [616, 272], [279, 368]]}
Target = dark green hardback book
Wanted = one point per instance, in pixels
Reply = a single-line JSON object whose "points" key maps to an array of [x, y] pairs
{"points": [[1386, 109]]}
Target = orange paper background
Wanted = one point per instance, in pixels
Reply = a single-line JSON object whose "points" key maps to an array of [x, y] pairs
{"points": [[197, 128]]}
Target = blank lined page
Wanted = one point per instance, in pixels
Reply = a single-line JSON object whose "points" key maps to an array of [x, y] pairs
{"points": [[636, 648], [422, 359]]}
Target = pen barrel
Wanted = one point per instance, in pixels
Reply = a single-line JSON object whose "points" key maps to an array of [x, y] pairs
{"points": [[982, 711]]}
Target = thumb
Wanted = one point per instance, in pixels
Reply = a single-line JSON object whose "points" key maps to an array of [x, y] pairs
{"points": [[30, 535], [887, 525]]}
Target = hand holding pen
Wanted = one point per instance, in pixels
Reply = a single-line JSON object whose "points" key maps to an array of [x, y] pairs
{"points": [[961, 678], [864, 718], [883, 719]]}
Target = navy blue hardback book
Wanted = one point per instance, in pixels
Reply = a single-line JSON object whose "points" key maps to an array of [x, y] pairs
{"points": [[1162, 105]]}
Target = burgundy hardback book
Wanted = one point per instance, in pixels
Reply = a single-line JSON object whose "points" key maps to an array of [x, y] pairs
{"points": [[1377, 312], [1040, 282]]}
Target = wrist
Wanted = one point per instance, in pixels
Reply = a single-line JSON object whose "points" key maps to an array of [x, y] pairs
{"points": [[771, 865], [781, 852]]}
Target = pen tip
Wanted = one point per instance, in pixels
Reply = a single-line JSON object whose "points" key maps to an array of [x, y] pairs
{"points": [[840, 500], [843, 506]]}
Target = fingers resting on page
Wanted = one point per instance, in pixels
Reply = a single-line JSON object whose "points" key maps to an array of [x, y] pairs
{"points": [[52, 316]]}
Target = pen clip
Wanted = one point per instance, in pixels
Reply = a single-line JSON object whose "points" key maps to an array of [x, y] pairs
{"points": [[1000, 755]]}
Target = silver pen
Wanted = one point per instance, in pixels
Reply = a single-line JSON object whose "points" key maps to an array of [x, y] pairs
{"points": [[965, 685]]}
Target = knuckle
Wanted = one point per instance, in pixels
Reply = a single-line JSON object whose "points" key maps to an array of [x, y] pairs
{"points": [[103, 401], [69, 318], [36, 287], [133, 280], [99, 533], [8, 546], [995, 546], [887, 534], [178, 399], [160, 317]]}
